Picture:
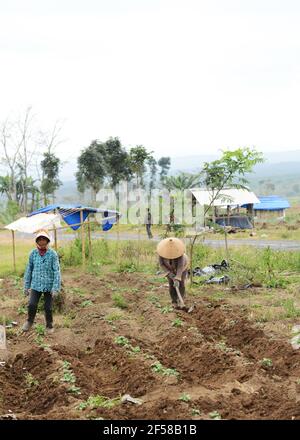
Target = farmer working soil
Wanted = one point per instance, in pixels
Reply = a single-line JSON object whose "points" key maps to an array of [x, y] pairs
{"points": [[174, 262], [42, 276]]}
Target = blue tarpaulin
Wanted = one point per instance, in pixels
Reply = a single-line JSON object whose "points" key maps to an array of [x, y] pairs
{"points": [[271, 203], [71, 214]]}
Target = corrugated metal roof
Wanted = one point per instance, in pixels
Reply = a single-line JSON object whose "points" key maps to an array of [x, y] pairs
{"points": [[227, 197], [271, 203]]}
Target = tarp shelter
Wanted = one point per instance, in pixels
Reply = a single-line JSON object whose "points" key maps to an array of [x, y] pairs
{"points": [[227, 197], [238, 221], [71, 214], [30, 225]]}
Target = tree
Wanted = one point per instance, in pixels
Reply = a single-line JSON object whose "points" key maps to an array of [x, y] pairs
{"points": [[164, 163], [182, 181], [138, 157], [227, 172], [91, 168], [10, 147], [5, 186], [50, 181], [152, 164], [117, 161]]}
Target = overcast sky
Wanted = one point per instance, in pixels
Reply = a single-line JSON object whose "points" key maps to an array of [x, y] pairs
{"points": [[180, 77]]}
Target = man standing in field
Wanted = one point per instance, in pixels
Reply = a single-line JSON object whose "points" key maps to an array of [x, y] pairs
{"points": [[42, 276], [148, 223], [174, 262]]}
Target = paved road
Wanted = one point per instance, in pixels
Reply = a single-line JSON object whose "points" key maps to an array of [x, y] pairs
{"points": [[274, 244]]}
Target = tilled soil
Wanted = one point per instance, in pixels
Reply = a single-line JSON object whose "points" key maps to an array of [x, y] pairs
{"points": [[212, 362]]}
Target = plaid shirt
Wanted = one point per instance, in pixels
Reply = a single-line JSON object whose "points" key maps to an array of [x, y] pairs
{"points": [[43, 272]]}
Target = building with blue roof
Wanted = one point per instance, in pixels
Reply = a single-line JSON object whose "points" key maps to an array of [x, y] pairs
{"points": [[274, 206]]}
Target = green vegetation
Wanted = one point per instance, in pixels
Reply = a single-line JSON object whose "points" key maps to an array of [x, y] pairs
{"points": [[30, 381], [40, 329], [185, 397], [177, 323], [98, 401], [119, 301], [215, 415], [157, 367], [266, 362]]}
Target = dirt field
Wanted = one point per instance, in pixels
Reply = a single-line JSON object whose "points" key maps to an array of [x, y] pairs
{"points": [[210, 364]]}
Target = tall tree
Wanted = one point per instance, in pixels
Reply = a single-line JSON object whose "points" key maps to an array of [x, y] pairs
{"points": [[117, 161], [164, 164], [50, 171], [10, 147], [152, 164], [91, 168], [138, 157]]}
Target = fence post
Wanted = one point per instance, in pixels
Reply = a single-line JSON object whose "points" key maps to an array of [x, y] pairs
{"points": [[82, 238]]}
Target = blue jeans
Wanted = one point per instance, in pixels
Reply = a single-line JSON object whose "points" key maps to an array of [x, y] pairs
{"points": [[33, 305]]}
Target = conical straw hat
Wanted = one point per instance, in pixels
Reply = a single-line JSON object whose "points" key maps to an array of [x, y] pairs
{"points": [[170, 247]]}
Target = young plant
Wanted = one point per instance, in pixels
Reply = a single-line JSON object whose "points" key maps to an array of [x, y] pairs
{"points": [[119, 301], [98, 401], [185, 397], [31, 382], [177, 323], [121, 340], [40, 329], [157, 367], [265, 362], [215, 415], [86, 303]]}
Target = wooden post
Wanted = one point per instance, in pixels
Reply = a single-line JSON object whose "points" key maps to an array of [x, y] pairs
{"points": [[226, 244], [90, 240], [14, 250], [118, 240], [55, 238], [82, 238]]}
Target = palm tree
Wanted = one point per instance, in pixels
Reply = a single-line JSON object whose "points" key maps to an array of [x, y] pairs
{"points": [[182, 181]]}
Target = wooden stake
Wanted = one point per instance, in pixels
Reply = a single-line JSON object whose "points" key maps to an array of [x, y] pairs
{"points": [[82, 239], [90, 240], [14, 250], [55, 238]]}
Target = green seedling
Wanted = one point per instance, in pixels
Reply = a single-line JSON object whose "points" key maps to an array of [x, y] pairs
{"points": [[119, 301], [265, 362], [195, 412], [185, 397], [86, 303], [31, 382], [98, 401], [157, 367], [121, 340], [74, 390], [40, 329], [177, 323], [215, 415], [167, 309]]}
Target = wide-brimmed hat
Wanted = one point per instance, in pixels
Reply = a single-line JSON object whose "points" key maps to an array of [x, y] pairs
{"points": [[170, 247], [42, 233]]}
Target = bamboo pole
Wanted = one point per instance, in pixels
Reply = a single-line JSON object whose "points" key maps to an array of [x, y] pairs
{"points": [[82, 239], [90, 240], [14, 250], [55, 238]]}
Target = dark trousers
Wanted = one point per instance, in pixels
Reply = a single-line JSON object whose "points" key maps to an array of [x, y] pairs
{"points": [[33, 305], [148, 229], [172, 290]]}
